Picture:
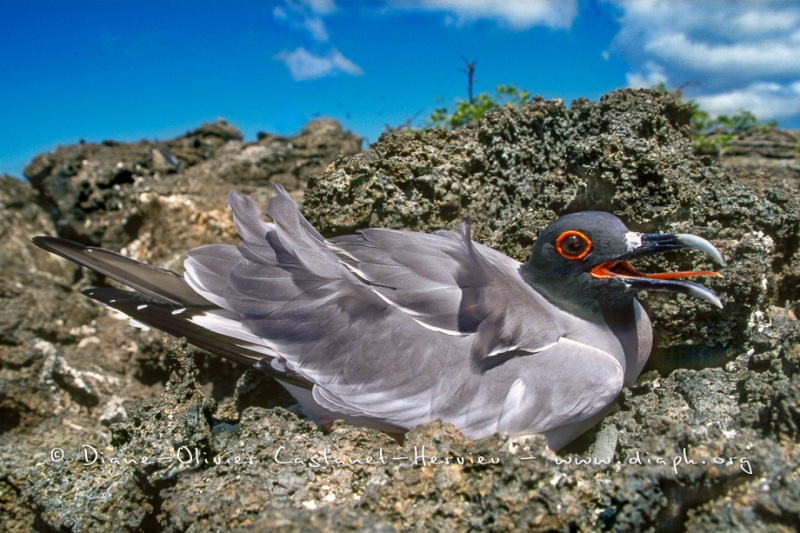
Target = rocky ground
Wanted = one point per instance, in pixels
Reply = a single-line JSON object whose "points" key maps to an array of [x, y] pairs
{"points": [[106, 427]]}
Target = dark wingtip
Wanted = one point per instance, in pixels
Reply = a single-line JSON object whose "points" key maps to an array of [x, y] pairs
{"points": [[42, 241], [57, 245]]}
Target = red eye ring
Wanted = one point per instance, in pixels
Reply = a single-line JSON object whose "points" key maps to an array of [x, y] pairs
{"points": [[568, 249]]}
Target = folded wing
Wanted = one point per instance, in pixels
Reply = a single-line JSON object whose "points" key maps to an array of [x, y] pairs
{"points": [[397, 326]]}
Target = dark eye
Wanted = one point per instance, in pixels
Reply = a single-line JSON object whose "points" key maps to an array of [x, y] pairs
{"points": [[573, 245]]}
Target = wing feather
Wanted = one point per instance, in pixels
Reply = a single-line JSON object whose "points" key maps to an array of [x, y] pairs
{"points": [[396, 326], [332, 309], [207, 328], [161, 284]]}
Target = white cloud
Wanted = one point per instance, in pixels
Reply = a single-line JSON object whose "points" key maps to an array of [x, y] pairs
{"points": [[755, 22], [653, 75], [344, 65], [316, 28], [306, 15], [760, 58], [768, 101], [516, 14], [320, 7], [740, 54], [303, 65], [729, 39], [279, 13]]}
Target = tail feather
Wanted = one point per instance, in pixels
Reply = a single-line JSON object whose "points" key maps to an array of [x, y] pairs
{"points": [[180, 322], [164, 300], [163, 285]]}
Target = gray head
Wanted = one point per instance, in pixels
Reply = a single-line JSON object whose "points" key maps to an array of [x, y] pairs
{"points": [[580, 263]]}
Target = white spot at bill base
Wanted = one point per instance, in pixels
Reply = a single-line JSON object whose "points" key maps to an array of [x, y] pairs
{"points": [[633, 240]]}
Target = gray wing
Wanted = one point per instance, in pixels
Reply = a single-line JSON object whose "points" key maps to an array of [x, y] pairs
{"points": [[450, 284], [399, 326], [558, 391], [416, 273]]}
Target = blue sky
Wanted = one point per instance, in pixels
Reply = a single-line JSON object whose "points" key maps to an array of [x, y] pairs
{"points": [[127, 70]]}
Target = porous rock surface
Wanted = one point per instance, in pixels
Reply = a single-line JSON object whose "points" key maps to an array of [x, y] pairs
{"points": [[106, 427]]}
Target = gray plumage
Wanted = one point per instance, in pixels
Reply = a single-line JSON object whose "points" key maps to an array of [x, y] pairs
{"points": [[394, 328]]}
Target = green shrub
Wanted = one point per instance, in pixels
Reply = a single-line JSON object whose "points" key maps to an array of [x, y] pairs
{"points": [[466, 112], [711, 135]]}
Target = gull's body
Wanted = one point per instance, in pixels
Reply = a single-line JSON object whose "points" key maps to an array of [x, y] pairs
{"points": [[394, 329]]}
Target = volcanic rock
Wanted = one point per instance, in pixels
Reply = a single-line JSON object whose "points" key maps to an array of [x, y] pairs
{"points": [[106, 427]]}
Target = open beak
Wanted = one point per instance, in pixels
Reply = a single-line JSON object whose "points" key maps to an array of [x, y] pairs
{"points": [[642, 245]]}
